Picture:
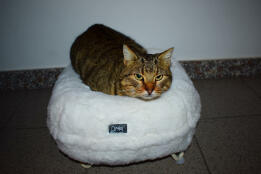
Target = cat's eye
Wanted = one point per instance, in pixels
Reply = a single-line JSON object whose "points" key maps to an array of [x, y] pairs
{"points": [[138, 76], [158, 77]]}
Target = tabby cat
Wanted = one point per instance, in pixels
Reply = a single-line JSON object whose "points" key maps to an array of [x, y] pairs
{"points": [[113, 63]]}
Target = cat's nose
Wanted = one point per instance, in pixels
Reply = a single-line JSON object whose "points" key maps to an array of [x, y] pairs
{"points": [[149, 88], [150, 91]]}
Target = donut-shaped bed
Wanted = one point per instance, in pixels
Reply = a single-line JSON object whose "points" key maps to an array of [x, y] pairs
{"points": [[96, 128]]}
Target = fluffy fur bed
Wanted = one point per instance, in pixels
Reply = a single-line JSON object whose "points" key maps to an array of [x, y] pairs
{"points": [[78, 120]]}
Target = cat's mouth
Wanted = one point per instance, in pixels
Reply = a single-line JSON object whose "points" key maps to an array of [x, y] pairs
{"points": [[148, 97]]}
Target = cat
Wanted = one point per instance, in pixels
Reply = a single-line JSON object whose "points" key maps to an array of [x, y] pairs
{"points": [[112, 63]]}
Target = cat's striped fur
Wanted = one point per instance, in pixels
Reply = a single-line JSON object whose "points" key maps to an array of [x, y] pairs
{"points": [[113, 63]]}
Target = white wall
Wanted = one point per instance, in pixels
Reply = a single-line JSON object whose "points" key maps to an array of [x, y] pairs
{"points": [[39, 33]]}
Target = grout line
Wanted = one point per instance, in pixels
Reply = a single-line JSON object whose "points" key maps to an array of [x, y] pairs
{"points": [[203, 156], [231, 117], [251, 88], [10, 118]]}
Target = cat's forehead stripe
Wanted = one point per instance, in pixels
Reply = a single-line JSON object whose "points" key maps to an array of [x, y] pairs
{"points": [[149, 63], [149, 57], [150, 68]]}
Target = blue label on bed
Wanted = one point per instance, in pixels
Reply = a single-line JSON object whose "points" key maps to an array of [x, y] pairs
{"points": [[117, 128]]}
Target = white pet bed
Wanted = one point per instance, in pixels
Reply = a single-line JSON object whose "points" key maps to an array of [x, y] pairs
{"points": [[79, 120]]}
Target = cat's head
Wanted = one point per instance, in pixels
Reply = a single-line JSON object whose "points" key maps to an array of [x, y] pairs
{"points": [[145, 76]]}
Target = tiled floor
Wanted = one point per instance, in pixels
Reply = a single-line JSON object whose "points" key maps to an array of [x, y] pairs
{"points": [[228, 137]]}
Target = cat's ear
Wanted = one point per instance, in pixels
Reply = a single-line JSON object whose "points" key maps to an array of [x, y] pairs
{"points": [[165, 57], [129, 55]]}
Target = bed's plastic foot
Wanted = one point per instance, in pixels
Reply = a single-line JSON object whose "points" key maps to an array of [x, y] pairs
{"points": [[179, 157], [86, 166]]}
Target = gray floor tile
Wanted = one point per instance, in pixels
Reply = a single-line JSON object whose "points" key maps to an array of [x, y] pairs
{"points": [[231, 145], [255, 84], [221, 98], [9, 102], [33, 151], [32, 112]]}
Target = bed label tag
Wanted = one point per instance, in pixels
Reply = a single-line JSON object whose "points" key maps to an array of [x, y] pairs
{"points": [[117, 128]]}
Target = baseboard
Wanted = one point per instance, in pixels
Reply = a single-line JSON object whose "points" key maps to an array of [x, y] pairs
{"points": [[29, 79], [223, 68], [206, 69]]}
